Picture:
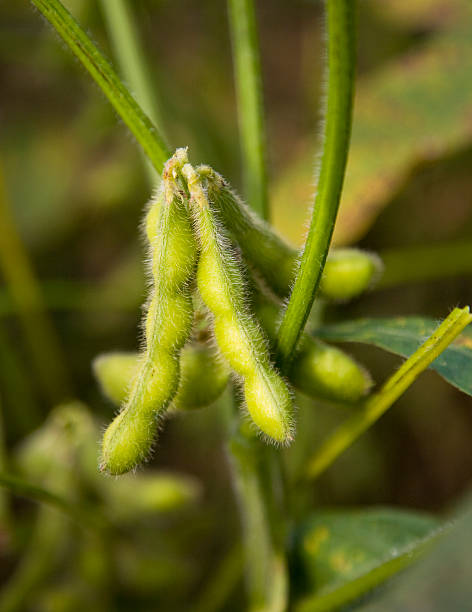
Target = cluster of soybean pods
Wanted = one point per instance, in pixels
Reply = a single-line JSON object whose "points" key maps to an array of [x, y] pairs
{"points": [[216, 266]]}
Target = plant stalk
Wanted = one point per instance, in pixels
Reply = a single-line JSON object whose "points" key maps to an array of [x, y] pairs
{"points": [[248, 84], [340, 69], [106, 78], [123, 32]]}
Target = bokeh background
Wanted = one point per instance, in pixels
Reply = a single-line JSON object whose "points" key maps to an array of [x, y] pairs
{"points": [[73, 186]]}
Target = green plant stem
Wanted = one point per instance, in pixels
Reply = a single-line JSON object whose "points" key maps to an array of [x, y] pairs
{"points": [[24, 289], [106, 78], [40, 494], [375, 406], [257, 481], [123, 32], [5, 518], [250, 105], [341, 54], [424, 263], [38, 561], [223, 581]]}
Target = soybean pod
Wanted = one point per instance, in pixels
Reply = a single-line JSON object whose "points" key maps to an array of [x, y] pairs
{"points": [[128, 440], [204, 376], [347, 273], [239, 337], [319, 370]]}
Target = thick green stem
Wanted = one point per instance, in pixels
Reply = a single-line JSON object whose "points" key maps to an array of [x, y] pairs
{"points": [[397, 384], [132, 60], [250, 106], [106, 78], [341, 54]]}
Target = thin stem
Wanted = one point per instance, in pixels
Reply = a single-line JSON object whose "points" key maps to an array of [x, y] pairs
{"points": [[250, 105], [106, 78], [5, 518], [223, 581], [256, 478], [341, 53], [25, 291], [395, 386], [21, 411], [40, 494], [424, 263], [124, 35]]}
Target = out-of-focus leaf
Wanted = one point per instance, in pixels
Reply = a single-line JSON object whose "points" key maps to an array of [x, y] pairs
{"points": [[440, 581], [403, 336], [345, 554], [416, 108]]}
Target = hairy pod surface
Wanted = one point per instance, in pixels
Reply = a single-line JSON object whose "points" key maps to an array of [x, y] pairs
{"points": [[128, 440], [347, 273], [319, 370], [203, 376], [239, 337]]}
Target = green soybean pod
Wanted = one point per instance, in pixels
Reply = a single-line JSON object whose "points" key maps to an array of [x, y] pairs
{"points": [[319, 370], [261, 246], [115, 373], [204, 376], [129, 438], [347, 273], [240, 339]]}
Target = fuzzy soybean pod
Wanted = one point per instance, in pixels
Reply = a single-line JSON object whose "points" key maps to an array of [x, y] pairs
{"points": [[261, 246], [347, 273], [204, 376], [239, 337], [318, 370], [128, 440]]}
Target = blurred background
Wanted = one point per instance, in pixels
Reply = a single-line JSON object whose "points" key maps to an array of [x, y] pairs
{"points": [[73, 187]]}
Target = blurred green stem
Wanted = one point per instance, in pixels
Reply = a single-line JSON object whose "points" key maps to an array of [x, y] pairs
{"points": [[222, 582], [106, 78], [5, 521], [375, 406], [340, 72], [38, 561], [424, 263], [124, 35], [257, 481], [25, 291], [250, 105], [43, 495]]}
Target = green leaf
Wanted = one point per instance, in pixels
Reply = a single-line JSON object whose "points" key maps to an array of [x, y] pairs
{"points": [[403, 336], [441, 580], [344, 554]]}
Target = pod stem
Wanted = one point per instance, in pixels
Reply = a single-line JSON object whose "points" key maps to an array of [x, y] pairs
{"points": [[123, 32], [106, 78], [375, 406], [340, 68]]}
